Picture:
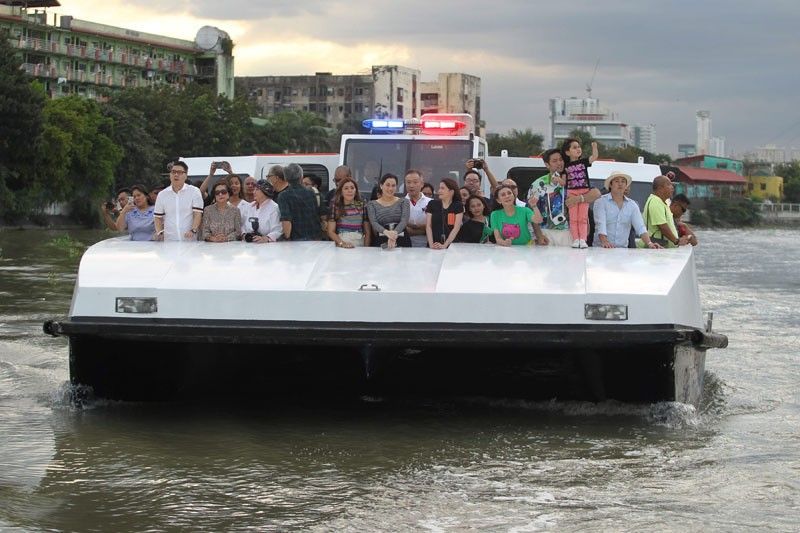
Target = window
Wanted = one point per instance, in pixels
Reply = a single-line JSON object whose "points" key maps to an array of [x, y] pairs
{"points": [[358, 107], [399, 95], [340, 91], [399, 111], [312, 108], [312, 91], [763, 186]]}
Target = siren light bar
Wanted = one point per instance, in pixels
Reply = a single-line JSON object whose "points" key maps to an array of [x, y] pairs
{"points": [[382, 124]]}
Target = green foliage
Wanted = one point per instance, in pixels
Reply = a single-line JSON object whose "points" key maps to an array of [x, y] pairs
{"points": [[519, 143], [292, 131], [791, 181], [21, 102], [77, 153], [721, 212], [70, 247]]}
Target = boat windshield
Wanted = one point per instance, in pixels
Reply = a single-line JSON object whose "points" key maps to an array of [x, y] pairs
{"points": [[369, 159]]}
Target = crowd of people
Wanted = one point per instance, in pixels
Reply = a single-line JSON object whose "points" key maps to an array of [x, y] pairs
{"points": [[288, 206]]}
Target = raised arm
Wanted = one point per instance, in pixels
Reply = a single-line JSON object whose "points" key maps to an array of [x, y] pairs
{"points": [[595, 153]]}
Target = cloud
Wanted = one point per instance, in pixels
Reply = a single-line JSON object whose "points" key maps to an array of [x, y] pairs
{"points": [[658, 61]]}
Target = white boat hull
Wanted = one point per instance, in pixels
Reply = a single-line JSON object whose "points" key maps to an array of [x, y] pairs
{"points": [[496, 319]]}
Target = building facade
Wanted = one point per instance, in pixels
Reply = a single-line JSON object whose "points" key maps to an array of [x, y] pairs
{"points": [[644, 137], [72, 56], [687, 150], [586, 114], [389, 91], [713, 162], [703, 119], [452, 92], [765, 187]]}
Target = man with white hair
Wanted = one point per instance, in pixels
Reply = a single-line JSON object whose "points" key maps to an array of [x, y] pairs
{"points": [[298, 207]]}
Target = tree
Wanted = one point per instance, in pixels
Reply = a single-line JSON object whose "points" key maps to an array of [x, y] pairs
{"points": [[77, 154], [791, 180], [21, 102], [519, 143]]}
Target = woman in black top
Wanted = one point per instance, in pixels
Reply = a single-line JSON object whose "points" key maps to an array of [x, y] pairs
{"points": [[475, 228], [443, 216]]}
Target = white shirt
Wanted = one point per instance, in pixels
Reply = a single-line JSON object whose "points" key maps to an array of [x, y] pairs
{"points": [[417, 216], [269, 219], [176, 210]]}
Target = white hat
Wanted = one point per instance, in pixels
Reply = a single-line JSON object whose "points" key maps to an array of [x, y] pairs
{"points": [[618, 174]]}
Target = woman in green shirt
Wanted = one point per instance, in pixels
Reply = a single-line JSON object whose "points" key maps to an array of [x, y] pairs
{"points": [[510, 222]]}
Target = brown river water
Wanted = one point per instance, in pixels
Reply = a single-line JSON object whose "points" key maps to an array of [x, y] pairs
{"points": [[416, 464]]}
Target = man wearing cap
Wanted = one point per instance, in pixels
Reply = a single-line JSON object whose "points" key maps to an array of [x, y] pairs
{"points": [[298, 207], [266, 212], [548, 197], [615, 214], [658, 217], [179, 208]]}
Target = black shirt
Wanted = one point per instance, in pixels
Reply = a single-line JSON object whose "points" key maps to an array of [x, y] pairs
{"points": [[443, 220]]}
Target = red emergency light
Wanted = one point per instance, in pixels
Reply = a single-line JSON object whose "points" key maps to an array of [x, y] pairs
{"points": [[445, 124]]}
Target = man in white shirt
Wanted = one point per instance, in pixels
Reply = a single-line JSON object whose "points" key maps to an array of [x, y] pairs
{"points": [[179, 208], [418, 202]]}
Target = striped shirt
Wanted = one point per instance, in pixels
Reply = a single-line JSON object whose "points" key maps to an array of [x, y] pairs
{"points": [[352, 219]]}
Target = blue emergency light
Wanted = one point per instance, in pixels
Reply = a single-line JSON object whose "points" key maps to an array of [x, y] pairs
{"points": [[384, 124]]}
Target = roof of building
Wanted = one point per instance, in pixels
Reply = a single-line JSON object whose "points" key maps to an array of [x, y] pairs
{"points": [[31, 3], [712, 175], [700, 157]]}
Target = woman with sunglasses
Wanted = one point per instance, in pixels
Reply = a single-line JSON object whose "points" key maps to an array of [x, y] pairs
{"points": [[222, 222]]}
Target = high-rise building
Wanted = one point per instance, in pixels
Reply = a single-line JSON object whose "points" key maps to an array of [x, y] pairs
{"points": [[72, 56], [586, 114], [716, 146], [703, 131], [390, 91], [644, 137]]}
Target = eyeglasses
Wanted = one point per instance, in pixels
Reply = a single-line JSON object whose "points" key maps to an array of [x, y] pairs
{"points": [[682, 208], [177, 172], [220, 192]]}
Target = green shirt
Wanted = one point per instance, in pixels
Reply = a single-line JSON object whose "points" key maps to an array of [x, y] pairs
{"points": [[655, 213], [513, 227]]}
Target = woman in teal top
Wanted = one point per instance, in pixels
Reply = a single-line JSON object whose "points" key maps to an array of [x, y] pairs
{"points": [[510, 223]]}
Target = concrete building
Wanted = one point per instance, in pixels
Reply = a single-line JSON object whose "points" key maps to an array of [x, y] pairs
{"points": [[765, 187], [568, 114], [644, 137], [716, 146], [452, 92], [390, 91], [72, 56], [687, 150], [703, 131], [713, 162]]}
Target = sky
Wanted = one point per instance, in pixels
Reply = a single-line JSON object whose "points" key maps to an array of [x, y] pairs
{"points": [[659, 61]]}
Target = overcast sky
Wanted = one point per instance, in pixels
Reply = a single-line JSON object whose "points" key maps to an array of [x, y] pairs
{"points": [[659, 61]]}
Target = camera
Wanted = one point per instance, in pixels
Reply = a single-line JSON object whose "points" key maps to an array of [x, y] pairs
{"points": [[558, 219], [218, 163], [477, 163], [109, 206], [248, 237]]}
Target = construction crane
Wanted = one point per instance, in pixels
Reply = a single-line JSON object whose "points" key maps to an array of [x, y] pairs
{"points": [[591, 80]]}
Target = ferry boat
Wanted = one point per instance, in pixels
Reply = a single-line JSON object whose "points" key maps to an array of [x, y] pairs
{"points": [[160, 320], [165, 320]]}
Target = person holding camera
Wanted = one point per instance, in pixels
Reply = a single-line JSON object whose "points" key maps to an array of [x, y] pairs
{"points": [[215, 165], [262, 222], [222, 222], [472, 178], [111, 211]]}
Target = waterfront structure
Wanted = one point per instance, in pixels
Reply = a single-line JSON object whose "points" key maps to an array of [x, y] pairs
{"points": [[73, 56], [703, 131], [644, 137], [390, 91], [586, 114], [704, 183], [765, 187], [713, 162]]}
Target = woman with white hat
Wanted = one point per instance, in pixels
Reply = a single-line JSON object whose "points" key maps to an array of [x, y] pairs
{"points": [[615, 214]]}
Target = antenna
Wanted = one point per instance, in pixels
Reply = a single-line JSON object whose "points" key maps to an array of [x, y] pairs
{"points": [[591, 80]]}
